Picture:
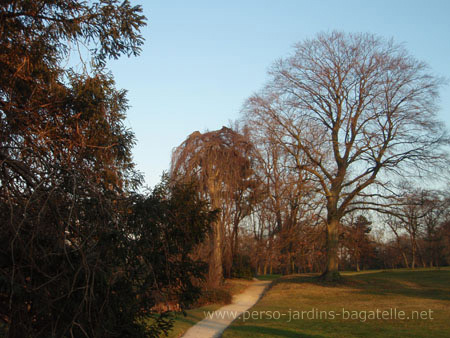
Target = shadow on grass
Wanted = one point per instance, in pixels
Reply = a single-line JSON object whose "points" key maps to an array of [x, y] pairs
{"points": [[431, 284], [268, 277], [255, 331], [428, 284]]}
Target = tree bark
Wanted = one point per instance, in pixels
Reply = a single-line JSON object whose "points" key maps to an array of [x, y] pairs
{"points": [[405, 258], [332, 269], [215, 272]]}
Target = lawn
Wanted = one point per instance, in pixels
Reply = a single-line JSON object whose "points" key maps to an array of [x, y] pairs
{"points": [[399, 303]]}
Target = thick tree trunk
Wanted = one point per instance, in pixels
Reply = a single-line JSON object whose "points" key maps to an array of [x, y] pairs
{"points": [[332, 268], [215, 272]]}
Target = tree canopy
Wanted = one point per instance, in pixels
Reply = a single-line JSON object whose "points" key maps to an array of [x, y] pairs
{"points": [[81, 251]]}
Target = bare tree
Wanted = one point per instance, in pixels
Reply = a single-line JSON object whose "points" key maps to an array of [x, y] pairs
{"points": [[356, 238], [349, 108], [221, 162], [396, 228], [419, 213], [438, 210]]}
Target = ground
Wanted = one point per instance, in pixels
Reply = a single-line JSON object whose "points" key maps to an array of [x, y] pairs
{"points": [[400, 303], [215, 322]]}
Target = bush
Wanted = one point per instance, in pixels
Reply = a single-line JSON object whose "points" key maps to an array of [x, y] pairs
{"points": [[214, 296]]}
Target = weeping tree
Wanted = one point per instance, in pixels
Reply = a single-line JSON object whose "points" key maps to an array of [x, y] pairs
{"points": [[350, 109], [221, 162]]}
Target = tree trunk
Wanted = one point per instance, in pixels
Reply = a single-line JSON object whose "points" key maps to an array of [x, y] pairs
{"points": [[332, 269], [421, 255], [215, 272], [234, 240], [357, 259], [405, 258], [413, 261]]}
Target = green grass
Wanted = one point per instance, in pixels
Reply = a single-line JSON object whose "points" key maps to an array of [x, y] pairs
{"points": [[361, 295]]}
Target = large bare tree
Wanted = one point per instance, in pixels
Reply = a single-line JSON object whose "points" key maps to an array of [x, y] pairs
{"points": [[349, 108]]}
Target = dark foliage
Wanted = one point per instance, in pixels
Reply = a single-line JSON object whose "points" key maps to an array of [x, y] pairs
{"points": [[242, 267], [80, 254], [214, 296], [165, 227]]}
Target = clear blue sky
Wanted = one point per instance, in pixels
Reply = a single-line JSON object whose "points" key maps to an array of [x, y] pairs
{"points": [[202, 59]]}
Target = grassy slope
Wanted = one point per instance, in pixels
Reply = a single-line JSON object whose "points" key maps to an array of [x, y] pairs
{"points": [[182, 323], [405, 290]]}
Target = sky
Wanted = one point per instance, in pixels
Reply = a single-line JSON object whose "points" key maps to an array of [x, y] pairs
{"points": [[203, 59]]}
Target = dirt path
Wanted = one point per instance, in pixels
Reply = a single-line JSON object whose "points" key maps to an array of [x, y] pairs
{"points": [[217, 322]]}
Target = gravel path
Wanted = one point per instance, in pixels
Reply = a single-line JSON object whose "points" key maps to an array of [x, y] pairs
{"points": [[217, 322]]}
